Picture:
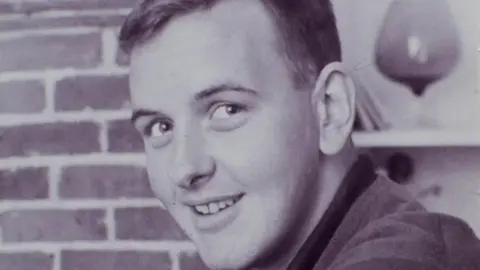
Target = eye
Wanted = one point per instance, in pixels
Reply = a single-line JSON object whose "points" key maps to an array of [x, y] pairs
{"points": [[228, 116], [226, 111], [158, 128]]}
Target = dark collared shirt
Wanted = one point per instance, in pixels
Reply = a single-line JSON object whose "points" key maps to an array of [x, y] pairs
{"points": [[373, 223]]}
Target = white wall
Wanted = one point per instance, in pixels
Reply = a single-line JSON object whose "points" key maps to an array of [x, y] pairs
{"points": [[455, 170], [452, 103]]}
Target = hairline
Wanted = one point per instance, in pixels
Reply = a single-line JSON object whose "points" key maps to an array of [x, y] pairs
{"points": [[302, 69]]}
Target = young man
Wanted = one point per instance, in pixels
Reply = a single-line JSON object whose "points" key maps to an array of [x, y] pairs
{"points": [[246, 114]]}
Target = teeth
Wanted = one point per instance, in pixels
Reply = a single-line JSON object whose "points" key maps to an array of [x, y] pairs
{"points": [[214, 207], [222, 204], [202, 209]]}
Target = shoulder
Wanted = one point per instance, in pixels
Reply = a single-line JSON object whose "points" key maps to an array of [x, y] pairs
{"points": [[400, 234], [415, 240]]}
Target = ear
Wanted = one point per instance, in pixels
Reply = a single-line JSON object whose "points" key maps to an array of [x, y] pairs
{"points": [[334, 102]]}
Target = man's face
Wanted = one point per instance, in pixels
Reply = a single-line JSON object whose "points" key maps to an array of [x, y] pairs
{"points": [[232, 147]]}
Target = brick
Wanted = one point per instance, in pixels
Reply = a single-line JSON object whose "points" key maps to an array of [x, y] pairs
{"points": [[104, 182], [29, 22], [49, 138], [26, 261], [50, 51], [151, 223], [33, 6], [123, 137], [22, 97], [7, 8], [191, 261], [53, 225], [115, 260], [25, 183], [96, 92]]}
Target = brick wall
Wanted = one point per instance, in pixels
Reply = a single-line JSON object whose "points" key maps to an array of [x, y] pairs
{"points": [[73, 188]]}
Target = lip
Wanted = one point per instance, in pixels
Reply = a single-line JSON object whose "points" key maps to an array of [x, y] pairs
{"points": [[209, 199], [215, 223]]}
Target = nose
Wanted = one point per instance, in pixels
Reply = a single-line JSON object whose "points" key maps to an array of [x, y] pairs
{"points": [[191, 165]]}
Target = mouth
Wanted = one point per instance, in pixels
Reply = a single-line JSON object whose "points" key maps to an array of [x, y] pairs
{"points": [[215, 206]]}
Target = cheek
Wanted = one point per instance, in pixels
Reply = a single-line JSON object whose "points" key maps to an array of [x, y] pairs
{"points": [[271, 150]]}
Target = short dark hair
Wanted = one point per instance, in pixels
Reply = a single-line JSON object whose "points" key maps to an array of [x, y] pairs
{"points": [[307, 27]]}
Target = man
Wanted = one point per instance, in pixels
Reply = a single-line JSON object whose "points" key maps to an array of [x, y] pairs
{"points": [[246, 115]]}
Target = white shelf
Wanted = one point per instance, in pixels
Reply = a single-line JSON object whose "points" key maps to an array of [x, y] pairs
{"points": [[417, 138]]}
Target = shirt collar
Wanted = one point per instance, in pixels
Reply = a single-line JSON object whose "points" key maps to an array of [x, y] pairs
{"points": [[360, 176]]}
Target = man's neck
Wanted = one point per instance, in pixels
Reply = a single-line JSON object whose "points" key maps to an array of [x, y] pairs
{"points": [[357, 179], [332, 170]]}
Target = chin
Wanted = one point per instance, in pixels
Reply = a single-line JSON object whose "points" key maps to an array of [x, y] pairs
{"points": [[239, 255], [245, 242], [227, 260], [223, 263]]}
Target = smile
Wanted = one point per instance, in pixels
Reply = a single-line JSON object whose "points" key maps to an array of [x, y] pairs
{"points": [[215, 207]]}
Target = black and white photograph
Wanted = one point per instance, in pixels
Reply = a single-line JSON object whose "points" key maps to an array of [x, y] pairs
{"points": [[239, 135]]}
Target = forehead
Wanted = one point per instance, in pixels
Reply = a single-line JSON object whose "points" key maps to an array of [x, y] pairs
{"points": [[234, 42]]}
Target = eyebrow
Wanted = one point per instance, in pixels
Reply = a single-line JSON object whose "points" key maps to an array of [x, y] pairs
{"points": [[141, 113], [217, 89], [204, 94]]}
